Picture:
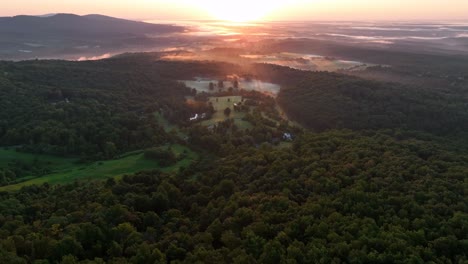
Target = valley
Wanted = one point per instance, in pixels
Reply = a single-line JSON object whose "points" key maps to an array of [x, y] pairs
{"points": [[232, 142]]}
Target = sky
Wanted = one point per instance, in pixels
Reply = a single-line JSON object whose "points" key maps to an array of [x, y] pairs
{"points": [[244, 10]]}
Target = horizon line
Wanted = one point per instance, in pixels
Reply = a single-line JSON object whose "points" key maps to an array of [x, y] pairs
{"points": [[251, 21]]}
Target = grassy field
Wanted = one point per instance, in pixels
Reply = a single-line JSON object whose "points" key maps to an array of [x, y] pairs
{"points": [[202, 85], [308, 62], [168, 127], [8, 155], [335, 65], [221, 103], [67, 170]]}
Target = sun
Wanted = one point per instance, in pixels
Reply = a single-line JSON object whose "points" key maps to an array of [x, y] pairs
{"points": [[239, 10]]}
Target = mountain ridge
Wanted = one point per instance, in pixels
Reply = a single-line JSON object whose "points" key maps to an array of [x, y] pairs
{"points": [[74, 36], [92, 23]]}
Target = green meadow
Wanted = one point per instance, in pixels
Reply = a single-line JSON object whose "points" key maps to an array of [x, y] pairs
{"points": [[168, 127], [66, 170], [221, 103]]}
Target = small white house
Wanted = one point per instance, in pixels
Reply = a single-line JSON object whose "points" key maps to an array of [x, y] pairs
{"points": [[195, 118]]}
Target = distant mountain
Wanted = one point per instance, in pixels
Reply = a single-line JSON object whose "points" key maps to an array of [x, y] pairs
{"points": [[69, 25], [71, 36], [47, 15]]}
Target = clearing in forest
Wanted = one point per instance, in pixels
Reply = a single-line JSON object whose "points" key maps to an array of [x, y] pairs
{"points": [[220, 104], [67, 170]]}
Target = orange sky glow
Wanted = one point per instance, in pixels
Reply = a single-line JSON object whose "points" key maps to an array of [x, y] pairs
{"points": [[247, 10]]}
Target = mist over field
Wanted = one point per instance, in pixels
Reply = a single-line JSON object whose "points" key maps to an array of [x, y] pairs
{"points": [[199, 36]]}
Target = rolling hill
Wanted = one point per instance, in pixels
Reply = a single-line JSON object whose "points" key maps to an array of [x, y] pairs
{"points": [[77, 27], [71, 36]]}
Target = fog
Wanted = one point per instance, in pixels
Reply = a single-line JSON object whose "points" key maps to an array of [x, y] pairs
{"points": [[201, 37]]}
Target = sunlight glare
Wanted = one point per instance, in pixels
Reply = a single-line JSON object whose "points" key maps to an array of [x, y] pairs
{"points": [[240, 10]]}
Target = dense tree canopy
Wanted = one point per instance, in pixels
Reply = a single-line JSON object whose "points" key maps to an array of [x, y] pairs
{"points": [[340, 196], [324, 100], [89, 109]]}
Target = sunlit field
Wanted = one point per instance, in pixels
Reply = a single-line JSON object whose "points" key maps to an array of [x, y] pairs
{"points": [[203, 85], [220, 104]]}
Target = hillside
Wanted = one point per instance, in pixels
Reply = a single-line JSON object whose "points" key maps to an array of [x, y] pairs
{"points": [[65, 35], [334, 197], [84, 108], [64, 26], [324, 100]]}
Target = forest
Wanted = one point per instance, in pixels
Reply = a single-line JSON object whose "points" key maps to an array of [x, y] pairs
{"points": [[333, 197], [91, 111], [375, 174], [326, 100]]}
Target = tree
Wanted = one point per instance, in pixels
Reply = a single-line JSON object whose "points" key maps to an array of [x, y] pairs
{"points": [[148, 254], [69, 259], [227, 111], [236, 83], [126, 235], [110, 149], [165, 157], [230, 240], [273, 252], [68, 246]]}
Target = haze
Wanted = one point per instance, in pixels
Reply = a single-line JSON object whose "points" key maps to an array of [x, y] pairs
{"points": [[249, 10]]}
